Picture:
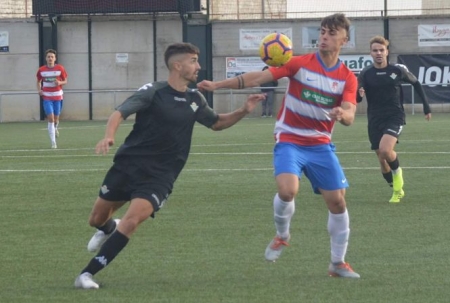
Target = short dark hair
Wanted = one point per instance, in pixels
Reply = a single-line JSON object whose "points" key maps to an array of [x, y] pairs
{"points": [[336, 21], [179, 48], [380, 40], [50, 51]]}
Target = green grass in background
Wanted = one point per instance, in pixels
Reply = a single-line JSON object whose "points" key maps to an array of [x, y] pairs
{"points": [[207, 243]]}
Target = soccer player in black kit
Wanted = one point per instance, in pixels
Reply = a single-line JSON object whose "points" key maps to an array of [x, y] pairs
{"points": [[152, 156], [381, 84]]}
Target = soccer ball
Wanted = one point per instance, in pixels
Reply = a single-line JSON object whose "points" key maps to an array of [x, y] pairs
{"points": [[275, 49]]}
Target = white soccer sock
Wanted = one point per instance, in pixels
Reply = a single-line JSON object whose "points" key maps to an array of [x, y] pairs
{"points": [[51, 131], [283, 212], [338, 228]]}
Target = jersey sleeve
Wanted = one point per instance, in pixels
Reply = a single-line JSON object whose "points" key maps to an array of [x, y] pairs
{"points": [[287, 70], [139, 100], [38, 75], [407, 76], [63, 73], [350, 89], [205, 115]]}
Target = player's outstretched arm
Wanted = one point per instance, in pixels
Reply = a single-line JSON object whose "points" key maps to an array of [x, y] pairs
{"points": [[251, 79], [229, 119], [114, 121]]}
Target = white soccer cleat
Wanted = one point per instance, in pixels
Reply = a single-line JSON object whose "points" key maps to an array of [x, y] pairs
{"points": [[275, 248], [85, 281], [54, 145], [99, 238]]}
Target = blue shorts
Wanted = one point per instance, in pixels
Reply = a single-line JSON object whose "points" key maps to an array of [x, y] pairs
{"points": [[319, 163], [52, 107]]}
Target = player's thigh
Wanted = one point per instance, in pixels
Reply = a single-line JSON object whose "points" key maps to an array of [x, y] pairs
{"points": [[288, 162], [288, 185], [387, 144], [335, 200], [375, 132], [57, 107], [325, 171], [103, 210], [48, 107], [139, 210]]}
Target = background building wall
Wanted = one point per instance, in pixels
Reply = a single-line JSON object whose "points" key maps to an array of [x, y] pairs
{"points": [[135, 37]]}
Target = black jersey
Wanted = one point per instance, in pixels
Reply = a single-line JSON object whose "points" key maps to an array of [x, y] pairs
{"points": [[159, 144], [383, 91]]}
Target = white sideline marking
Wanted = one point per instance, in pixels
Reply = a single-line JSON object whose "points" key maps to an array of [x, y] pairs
{"points": [[200, 169], [198, 154]]}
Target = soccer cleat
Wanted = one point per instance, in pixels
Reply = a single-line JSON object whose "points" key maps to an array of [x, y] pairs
{"points": [[56, 133], [396, 196], [99, 238], [85, 281], [342, 270], [54, 145], [275, 248], [397, 180]]}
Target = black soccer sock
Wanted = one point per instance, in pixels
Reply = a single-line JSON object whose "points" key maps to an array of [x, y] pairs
{"points": [[108, 227], [388, 178], [394, 165], [112, 247]]}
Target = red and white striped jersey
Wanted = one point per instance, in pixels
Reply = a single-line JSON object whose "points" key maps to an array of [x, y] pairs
{"points": [[312, 92], [48, 75]]}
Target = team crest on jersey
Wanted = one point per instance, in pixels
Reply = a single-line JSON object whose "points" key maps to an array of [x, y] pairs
{"points": [[194, 106], [334, 86], [393, 76]]}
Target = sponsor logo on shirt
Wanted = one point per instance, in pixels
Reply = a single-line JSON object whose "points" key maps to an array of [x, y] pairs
{"points": [[315, 97], [179, 99]]}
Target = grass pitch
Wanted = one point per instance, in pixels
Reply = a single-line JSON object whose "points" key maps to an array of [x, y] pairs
{"points": [[207, 243]]}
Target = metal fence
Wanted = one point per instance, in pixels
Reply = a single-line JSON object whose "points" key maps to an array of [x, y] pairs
{"points": [[283, 9], [92, 105]]}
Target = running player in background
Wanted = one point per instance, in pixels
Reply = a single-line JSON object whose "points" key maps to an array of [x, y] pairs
{"points": [[381, 84], [321, 91], [50, 79]]}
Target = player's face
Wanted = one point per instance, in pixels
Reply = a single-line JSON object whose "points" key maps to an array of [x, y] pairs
{"points": [[50, 58], [332, 39], [190, 67], [379, 54]]}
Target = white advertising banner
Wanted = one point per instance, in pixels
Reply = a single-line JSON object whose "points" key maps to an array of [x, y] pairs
{"points": [[434, 35], [310, 37], [251, 38], [356, 62], [240, 65]]}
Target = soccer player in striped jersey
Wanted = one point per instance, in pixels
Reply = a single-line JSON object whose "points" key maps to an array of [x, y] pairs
{"points": [[50, 79], [321, 91]]}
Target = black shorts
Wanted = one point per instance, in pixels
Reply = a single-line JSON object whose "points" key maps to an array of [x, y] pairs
{"points": [[121, 186], [378, 129]]}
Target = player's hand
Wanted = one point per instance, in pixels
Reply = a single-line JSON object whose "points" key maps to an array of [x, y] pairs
{"points": [[428, 116], [206, 85], [253, 100], [361, 92], [103, 145], [337, 113]]}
